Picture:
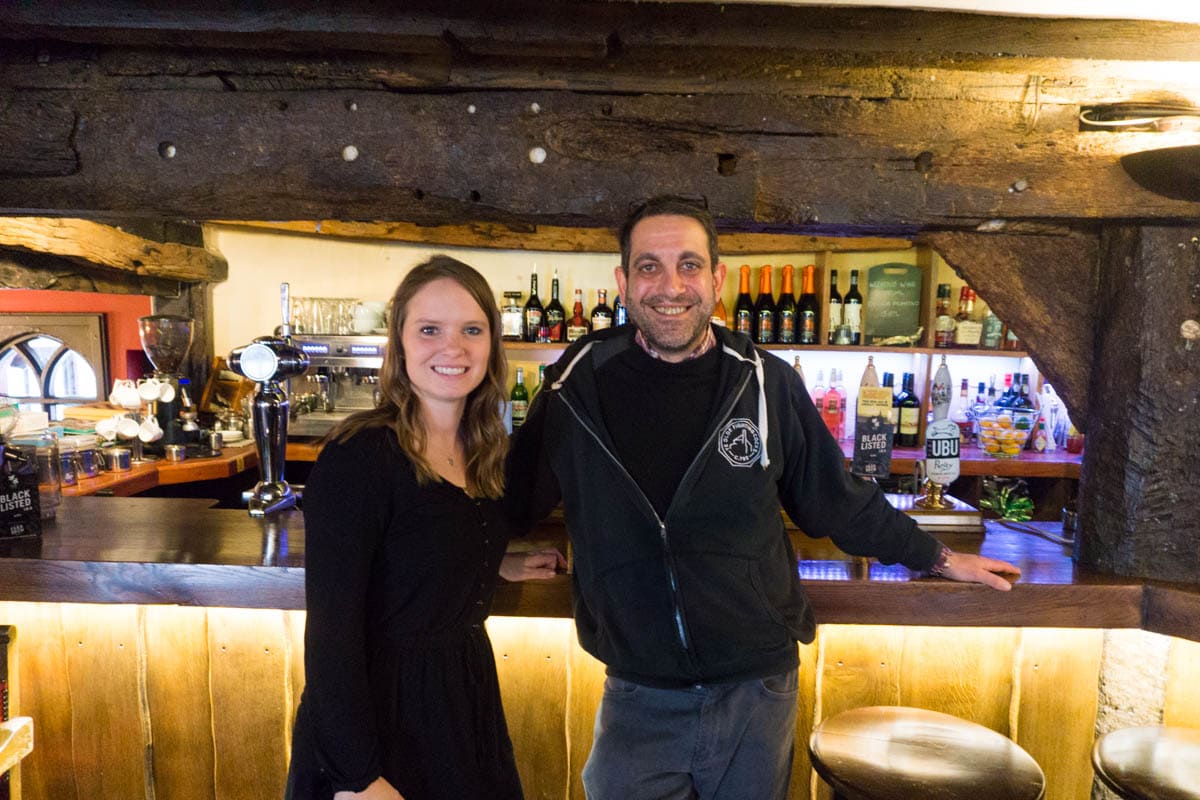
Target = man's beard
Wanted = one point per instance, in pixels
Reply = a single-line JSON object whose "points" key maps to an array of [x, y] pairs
{"points": [[664, 335]]}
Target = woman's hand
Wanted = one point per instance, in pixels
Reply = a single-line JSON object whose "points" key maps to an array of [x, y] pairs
{"points": [[531, 564], [379, 789]]}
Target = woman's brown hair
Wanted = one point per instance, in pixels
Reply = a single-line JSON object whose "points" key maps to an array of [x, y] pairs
{"points": [[481, 429]]}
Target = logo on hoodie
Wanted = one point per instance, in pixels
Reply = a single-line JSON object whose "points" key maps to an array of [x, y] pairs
{"points": [[739, 442]]}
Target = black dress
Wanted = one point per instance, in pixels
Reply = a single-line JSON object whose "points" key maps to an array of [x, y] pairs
{"points": [[400, 677]]}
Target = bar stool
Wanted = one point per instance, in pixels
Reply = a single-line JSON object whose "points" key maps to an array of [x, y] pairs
{"points": [[1150, 763], [897, 753]]}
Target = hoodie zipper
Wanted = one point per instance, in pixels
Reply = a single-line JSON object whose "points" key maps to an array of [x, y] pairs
{"points": [[680, 628]]}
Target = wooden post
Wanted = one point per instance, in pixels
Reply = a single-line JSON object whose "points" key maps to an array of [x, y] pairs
{"points": [[1141, 478]]}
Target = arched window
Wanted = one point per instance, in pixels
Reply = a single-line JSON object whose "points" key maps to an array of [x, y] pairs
{"points": [[42, 372]]}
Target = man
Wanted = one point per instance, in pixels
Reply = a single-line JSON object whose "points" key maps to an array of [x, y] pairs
{"points": [[672, 445]]}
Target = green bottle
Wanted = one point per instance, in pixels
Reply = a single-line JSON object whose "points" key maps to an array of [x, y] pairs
{"points": [[519, 399], [541, 379]]}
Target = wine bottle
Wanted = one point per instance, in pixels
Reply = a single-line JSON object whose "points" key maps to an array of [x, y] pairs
{"points": [[852, 309], [602, 315], [808, 313], [909, 406], [533, 310], [763, 322], [787, 320], [889, 380], [943, 326], [556, 315], [520, 400], [835, 305], [799, 369], [743, 308]]}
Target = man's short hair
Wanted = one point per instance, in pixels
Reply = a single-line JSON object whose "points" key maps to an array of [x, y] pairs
{"points": [[669, 205]]}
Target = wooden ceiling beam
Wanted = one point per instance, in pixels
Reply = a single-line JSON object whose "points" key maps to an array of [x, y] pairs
{"points": [[793, 165], [590, 29], [101, 245]]}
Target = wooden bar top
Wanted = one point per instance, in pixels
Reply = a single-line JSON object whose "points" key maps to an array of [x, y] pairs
{"points": [[234, 460], [185, 552]]}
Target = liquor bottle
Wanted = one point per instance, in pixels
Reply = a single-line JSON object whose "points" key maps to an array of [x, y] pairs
{"points": [[512, 317], [967, 331], [789, 324], [763, 322], [831, 407], [533, 310], [578, 325], [852, 309], [993, 331], [720, 316], [808, 312], [869, 377], [939, 392], [943, 326], [743, 308], [799, 369], [602, 315], [1024, 398], [1011, 342], [835, 305], [519, 399], [818, 390], [556, 316], [909, 406], [959, 411], [620, 315]]}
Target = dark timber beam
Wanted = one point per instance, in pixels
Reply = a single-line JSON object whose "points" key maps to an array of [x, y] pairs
{"points": [[1043, 286], [1141, 477], [798, 165]]}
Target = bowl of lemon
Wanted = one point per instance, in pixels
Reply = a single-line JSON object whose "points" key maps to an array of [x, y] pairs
{"points": [[1003, 432]]}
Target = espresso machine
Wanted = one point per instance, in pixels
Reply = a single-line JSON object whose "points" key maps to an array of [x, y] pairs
{"points": [[269, 361], [342, 378], [165, 340]]}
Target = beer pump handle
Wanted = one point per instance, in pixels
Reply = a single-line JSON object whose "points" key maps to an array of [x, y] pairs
{"points": [[285, 311]]}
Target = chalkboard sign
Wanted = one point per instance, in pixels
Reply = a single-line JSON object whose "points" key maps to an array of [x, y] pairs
{"points": [[893, 306]]}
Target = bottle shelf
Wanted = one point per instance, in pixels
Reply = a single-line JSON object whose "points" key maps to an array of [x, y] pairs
{"points": [[553, 349]]}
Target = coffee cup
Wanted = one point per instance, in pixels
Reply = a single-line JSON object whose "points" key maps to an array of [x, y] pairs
{"points": [[127, 427]]}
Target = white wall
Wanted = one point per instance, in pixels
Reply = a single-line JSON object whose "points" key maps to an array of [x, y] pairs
{"points": [[247, 304]]}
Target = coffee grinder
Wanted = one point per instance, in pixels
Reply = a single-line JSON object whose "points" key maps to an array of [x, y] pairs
{"points": [[267, 361], [165, 340]]}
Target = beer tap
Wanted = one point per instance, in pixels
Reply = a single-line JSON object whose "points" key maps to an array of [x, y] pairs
{"points": [[268, 361]]}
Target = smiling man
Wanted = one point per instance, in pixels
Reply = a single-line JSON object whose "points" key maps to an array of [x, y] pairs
{"points": [[672, 445]]}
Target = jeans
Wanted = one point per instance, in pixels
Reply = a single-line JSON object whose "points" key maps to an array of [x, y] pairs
{"points": [[729, 741]]}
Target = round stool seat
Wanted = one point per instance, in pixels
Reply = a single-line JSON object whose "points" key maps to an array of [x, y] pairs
{"points": [[897, 753], [1150, 763]]}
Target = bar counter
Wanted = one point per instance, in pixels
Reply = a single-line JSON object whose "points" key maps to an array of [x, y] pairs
{"points": [[177, 629], [184, 552]]}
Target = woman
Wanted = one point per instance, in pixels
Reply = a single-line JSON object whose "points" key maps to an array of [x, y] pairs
{"points": [[404, 538]]}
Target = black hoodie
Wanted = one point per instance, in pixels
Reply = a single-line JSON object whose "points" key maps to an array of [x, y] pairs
{"points": [[709, 591]]}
